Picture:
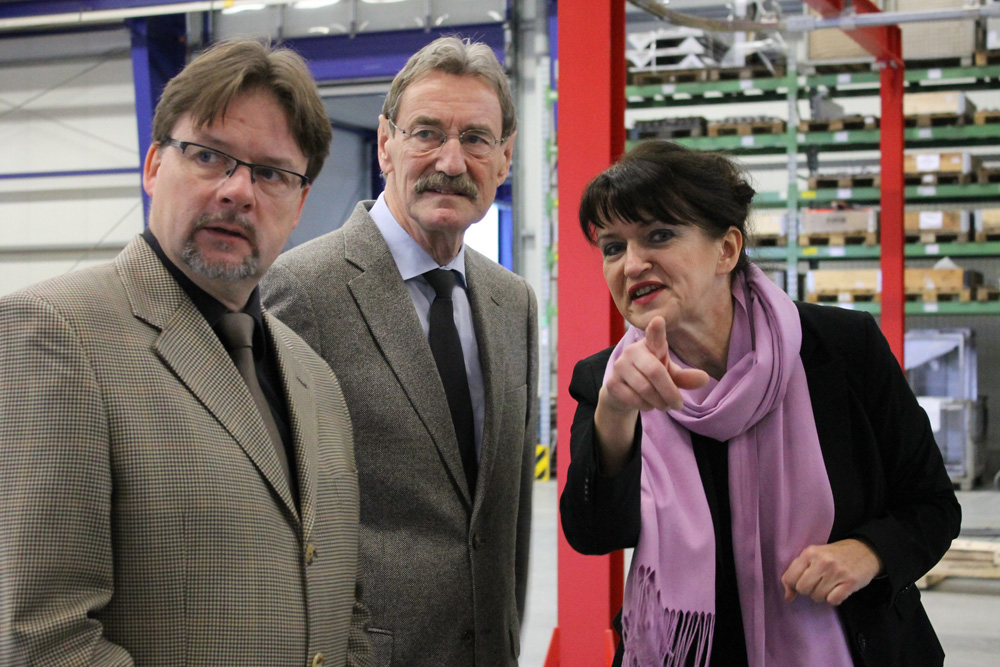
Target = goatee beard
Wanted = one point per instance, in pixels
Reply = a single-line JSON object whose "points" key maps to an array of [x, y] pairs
{"points": [[221, 270]]}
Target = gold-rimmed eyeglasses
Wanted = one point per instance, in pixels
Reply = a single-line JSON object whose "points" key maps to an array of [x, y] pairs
{"points": [[427, 138], [211, 163]]}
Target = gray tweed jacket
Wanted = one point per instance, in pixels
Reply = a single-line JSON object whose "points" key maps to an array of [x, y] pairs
{"points": [[144, 516], [444, 574]]}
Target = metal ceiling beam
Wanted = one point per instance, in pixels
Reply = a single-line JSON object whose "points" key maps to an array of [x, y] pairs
{"points": [[374, 56]]}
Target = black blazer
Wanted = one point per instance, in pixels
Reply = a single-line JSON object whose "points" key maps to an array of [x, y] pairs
{"points": [[890, 487]]}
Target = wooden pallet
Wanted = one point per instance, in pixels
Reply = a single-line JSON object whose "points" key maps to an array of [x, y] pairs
{"points": [[985, 57], [839, 238], [938, 178], [936, 236], [988, 175], [745, 72], [984, 294], [843, 296], [770, 240], [987, 234], [963, 295], [830, 181], [938, 120], [665, 76], [669, 128], [977, 559], [987, 117], [843, 67], [940, 62], [839, 124], [745, 127]]}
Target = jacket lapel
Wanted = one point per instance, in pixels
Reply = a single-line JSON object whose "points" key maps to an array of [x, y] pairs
{"points": [[192, 350], [303, 421], [488, 320], [385, 305]]}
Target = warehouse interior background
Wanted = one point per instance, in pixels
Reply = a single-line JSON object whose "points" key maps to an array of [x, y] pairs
{"points": [[78, 81]]}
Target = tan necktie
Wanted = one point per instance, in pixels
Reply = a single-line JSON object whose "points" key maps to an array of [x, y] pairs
{"points": [[235, 330]]}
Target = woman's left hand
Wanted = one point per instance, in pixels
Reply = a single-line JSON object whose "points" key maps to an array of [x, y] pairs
{"points": [[831, 572]]}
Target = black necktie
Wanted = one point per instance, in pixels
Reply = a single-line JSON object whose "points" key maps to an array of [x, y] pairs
{"points": [[447, 349], [235, 330]]}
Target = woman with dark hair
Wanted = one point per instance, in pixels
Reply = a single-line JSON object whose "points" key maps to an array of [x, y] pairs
{"points": [[767, 459]]}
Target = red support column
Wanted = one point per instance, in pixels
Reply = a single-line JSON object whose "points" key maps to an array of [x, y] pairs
{"points": [[590, 135], [885, 43], [893, 201]]}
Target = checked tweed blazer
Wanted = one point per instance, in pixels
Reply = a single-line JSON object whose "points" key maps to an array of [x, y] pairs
{"points": [[144, 517], [444, 574]]}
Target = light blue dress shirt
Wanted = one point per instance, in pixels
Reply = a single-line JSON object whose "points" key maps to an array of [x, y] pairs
{"points": [[413, 261]]}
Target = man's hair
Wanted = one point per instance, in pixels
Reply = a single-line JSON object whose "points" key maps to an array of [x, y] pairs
{"points": [[207, 85], [460, 57]]}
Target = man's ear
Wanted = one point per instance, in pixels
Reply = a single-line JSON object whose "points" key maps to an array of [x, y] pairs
{"points": [[384, 161], [151, 167]]}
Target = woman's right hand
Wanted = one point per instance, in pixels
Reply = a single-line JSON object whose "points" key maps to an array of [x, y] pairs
{"points": [[642, 378]]}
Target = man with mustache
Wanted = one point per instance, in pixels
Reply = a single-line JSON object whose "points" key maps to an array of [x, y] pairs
{"points": [[176, 465], [445, 452]]}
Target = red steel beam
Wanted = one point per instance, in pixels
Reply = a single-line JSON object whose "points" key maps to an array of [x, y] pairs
{"points": [[875, 40], [591, 136]]}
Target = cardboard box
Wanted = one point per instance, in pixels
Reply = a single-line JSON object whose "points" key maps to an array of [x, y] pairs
{"points": [[949, 162], [936, 40], [766, 222], [951, 101], [988, 218], [821, 221], [832, 44], [936, 221], [950, 281], [831, 281]]}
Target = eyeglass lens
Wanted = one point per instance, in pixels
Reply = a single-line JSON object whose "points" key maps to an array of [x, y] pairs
{"points": [[210, 163]]}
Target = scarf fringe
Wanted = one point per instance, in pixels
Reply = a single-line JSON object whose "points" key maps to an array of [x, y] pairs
{"points": [[662, 639]]}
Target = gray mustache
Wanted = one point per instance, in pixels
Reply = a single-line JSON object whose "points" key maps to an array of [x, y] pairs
{"points": [[229, 217], [461, 184]]}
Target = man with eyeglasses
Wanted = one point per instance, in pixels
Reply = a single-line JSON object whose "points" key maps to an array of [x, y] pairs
{"points": [[436, 349], [176, 465]]}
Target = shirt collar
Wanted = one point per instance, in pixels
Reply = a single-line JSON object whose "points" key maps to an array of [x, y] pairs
{"points": [[211, 308], [411, 259]]}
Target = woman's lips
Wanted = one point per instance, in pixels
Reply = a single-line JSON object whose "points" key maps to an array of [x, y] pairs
{"points": [[644, 292]]}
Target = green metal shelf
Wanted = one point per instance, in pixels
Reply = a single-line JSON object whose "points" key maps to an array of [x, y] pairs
{"points": [[844, 84], [921, 308], [913, 193], [846, 140], [910, 250], [758, 144]]}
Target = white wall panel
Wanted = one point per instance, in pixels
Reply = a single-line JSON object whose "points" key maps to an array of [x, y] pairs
{"points": [[66, 114]]}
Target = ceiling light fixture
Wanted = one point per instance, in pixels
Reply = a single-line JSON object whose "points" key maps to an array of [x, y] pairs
{"points": [[313, 4], [243, 7]]}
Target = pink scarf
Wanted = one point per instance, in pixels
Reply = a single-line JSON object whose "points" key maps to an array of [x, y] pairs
{"points": [[779, 494]]}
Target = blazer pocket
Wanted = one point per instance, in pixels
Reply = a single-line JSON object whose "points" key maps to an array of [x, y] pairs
{"points": [[381, 647]]}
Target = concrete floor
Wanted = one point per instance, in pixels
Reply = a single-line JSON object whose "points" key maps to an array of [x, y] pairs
{"points": [[965, 612]]}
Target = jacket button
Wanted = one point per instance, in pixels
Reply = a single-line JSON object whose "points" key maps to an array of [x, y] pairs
{"points": [[469, 636], [317, 660], [310, 557], [862, 641], [475, 540]]}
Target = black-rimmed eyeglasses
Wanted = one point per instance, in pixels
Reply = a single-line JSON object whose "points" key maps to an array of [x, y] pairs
{"points": [[427, 138], [211, 163]]}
